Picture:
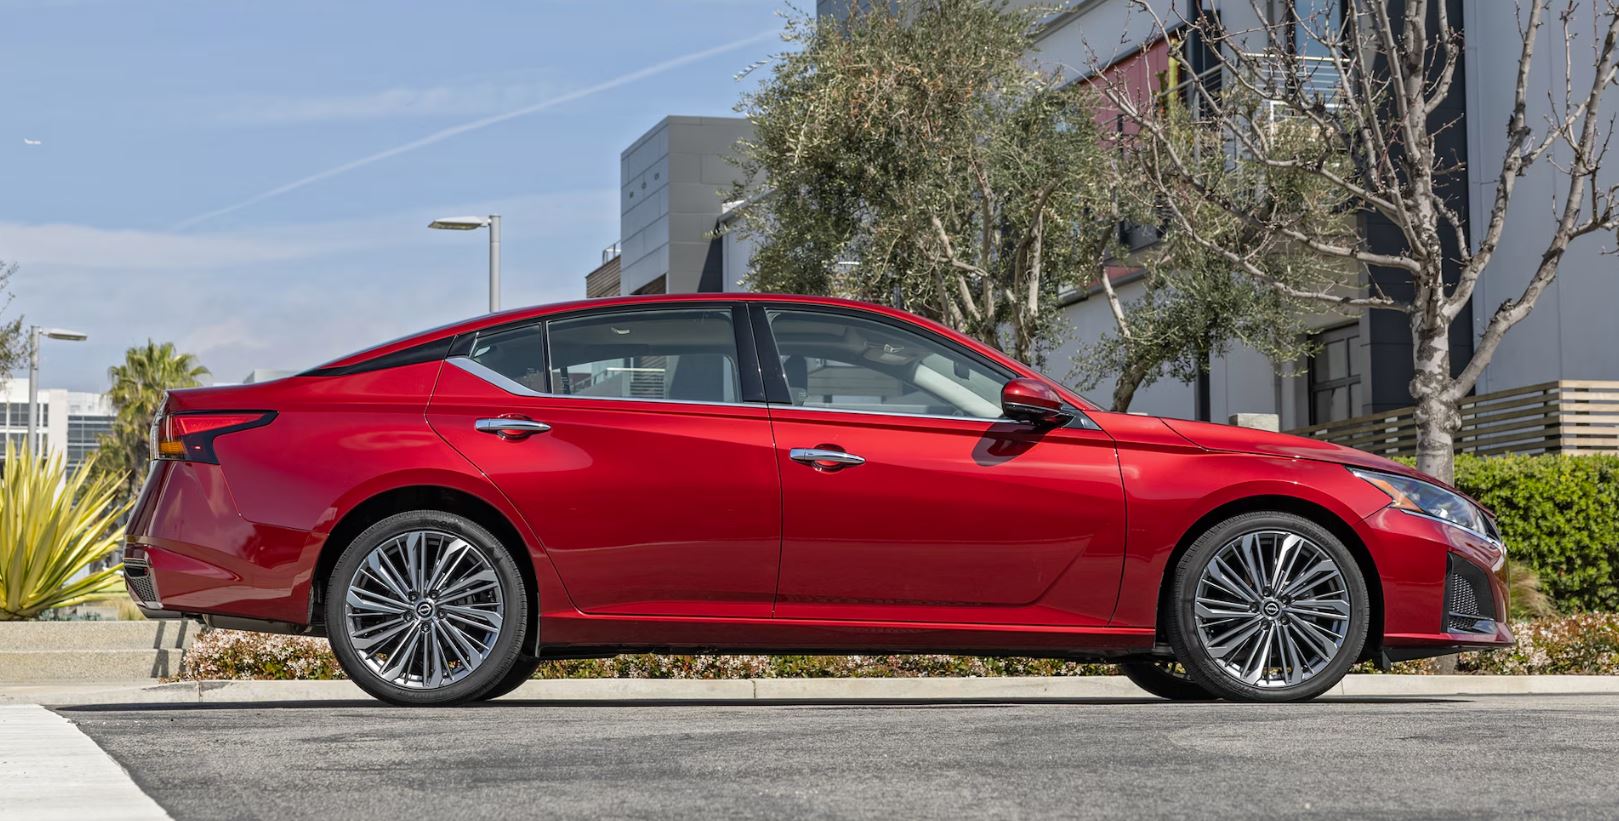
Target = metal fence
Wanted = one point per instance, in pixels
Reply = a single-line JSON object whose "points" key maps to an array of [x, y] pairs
{"points": [[1566, 416]]}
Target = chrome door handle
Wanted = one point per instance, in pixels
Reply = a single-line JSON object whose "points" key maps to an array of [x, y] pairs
{"points": [[508, 428], [820, 456]]}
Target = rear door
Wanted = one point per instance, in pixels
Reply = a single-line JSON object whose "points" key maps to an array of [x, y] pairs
{"points": [[635, 443]]}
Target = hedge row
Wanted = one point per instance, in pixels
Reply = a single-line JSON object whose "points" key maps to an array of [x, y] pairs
{"points": [[1586, 644], [1559, 516]]}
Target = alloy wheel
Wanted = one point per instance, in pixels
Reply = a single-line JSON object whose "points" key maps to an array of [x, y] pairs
{"points": [[424, 609], [1272, 609]]}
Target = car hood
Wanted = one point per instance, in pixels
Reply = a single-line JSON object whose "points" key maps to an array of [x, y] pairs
{"points": [[1233, 439]]}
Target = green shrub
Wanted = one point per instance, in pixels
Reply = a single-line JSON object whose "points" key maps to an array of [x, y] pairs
{"points": [[1559, 516], [233, 654], [1584, 644]]}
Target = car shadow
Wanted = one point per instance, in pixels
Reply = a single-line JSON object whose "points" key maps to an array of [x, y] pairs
{"points": [[529, 703]]}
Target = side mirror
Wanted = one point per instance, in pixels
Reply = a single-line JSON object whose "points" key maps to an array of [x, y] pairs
{"points": [[1029, 400]]}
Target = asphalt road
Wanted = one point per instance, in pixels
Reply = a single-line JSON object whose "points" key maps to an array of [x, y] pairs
{"points": [[1545, 756]]}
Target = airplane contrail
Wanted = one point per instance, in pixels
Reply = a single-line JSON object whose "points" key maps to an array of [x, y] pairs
{"points": [[452, 131]]}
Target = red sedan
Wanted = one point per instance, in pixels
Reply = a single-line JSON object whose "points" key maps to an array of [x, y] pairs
{"points": [[752, 473]]}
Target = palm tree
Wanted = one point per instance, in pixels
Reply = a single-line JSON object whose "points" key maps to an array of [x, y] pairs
{"points": [[139, 386]]}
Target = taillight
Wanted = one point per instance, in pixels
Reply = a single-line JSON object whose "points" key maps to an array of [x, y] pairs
{"points": [[190, 437]]}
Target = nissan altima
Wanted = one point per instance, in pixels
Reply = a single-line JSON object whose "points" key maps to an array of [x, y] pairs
{"points": [[757, 473]]}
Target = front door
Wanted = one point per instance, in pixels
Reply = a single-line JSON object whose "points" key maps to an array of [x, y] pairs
{"points": [[652, 485], [907, 497]]}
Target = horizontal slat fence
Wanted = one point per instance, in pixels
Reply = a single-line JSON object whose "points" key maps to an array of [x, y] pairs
{"points": [[1566, 416]]}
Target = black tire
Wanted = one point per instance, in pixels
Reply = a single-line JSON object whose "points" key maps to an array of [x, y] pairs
{"points": [[522, 671], [1165, 679], [1348, 591], [505, 650]]}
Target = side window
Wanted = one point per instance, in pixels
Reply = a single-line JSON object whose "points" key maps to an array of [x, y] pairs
{"points": [[677, 353], [515, 353], [848, 363]]}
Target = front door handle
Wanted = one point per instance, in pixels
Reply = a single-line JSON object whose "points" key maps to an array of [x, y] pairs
{"points": [[825, 458], [507, 427]]}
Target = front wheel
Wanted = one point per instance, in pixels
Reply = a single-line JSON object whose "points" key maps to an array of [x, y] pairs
{"points": [[426, 608], [1165, 679], [1268, 607]]}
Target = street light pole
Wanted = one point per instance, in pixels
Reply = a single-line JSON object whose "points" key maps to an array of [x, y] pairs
{"points": [[33, 389], [35, 334], [494, 263], [492, 222]]}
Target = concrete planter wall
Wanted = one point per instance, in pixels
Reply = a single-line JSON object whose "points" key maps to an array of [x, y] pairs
{"points": [[92, 651]]}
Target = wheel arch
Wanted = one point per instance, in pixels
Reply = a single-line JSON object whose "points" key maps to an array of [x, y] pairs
{"points": [[1275, 503], [425, 497]]}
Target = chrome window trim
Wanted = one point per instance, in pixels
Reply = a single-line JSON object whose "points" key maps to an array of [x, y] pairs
{"points": [[897, 414], [1085, 422], [512, 386], [492, 376]]}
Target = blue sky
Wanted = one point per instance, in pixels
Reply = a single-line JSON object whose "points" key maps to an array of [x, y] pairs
{"points": [[160, 122]]}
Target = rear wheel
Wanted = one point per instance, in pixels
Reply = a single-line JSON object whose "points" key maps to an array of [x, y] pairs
{"points": [[426, 608], [1268, 607], [522, 671], [1165, 679]]}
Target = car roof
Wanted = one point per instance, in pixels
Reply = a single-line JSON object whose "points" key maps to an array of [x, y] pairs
{"points": [[516, 315], [537, 311]]}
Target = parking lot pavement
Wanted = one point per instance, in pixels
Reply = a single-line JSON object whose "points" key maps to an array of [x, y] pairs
{"points": [[1542, 756]]}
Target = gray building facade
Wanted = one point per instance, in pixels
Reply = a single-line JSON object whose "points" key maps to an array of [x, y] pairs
{"points": [[672, 183]]}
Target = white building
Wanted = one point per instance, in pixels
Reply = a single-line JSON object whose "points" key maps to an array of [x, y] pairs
{"points": [[70, 422]]}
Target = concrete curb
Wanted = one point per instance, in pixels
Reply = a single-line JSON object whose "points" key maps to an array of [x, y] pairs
{"points": [[1032, 688], [51, 770]]}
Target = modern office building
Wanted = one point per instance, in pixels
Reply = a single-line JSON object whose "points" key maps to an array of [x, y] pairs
{"points": [[1364, 364], [672, 183], [70, 422]]}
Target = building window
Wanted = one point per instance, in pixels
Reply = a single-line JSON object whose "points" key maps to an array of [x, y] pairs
{"points": [[84, 433], [1335, 384], [1316, 24]]}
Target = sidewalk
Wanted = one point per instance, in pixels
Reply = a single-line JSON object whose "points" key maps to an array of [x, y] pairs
{"points": [[779, 689]]}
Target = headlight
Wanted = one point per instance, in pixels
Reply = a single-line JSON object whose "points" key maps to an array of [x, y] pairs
{"points": [[1428, 499]]}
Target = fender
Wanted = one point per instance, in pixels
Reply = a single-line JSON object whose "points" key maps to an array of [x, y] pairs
{"points": [[1168, 494]]}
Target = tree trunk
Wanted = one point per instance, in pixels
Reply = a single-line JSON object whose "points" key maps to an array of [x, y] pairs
{"points": [[1436, 414], [1124, 390]]}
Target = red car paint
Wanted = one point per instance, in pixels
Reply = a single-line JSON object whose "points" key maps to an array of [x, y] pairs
{"points": [[668, 525]]}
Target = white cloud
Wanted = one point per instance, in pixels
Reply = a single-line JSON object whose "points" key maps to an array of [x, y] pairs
{"points": [[393, 103], [85, 246], [291, 295], [89, 247]]}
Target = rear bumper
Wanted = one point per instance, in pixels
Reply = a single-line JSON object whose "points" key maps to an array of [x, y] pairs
{"points": [[189, 551], [1443, 590]]}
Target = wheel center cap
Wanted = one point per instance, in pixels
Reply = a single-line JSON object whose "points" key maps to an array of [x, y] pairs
{"points": [[424, 609], [1271, 608]]}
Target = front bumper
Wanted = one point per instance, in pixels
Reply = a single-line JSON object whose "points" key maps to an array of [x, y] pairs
{"points": [[1443, 588]]}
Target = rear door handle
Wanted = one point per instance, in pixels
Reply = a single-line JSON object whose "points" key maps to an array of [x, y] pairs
{"points": [[511, 428], [825, 459]]}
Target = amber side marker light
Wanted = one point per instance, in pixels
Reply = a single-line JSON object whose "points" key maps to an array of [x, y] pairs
{"points": [[189, 437], [1401, 500]]}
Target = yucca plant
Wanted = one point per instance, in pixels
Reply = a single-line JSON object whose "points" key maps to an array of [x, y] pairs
{"points": [[53, 526]]}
